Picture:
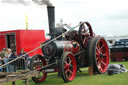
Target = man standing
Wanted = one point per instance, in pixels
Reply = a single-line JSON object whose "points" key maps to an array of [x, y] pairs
{"points": [[13, 64], [24, 58]]}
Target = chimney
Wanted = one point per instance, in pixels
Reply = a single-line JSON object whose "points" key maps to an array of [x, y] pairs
{"points": [[51, 20]]}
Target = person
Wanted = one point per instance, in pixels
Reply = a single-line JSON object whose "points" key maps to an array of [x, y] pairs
{"points": [[6, 58], [12, 65], [24, 58], [1, 69], [2, 53]]}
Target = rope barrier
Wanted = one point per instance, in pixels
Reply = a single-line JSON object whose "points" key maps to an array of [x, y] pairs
{"points": [[42, 45]]}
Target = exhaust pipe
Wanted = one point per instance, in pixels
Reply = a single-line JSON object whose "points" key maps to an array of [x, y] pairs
{"points": [[51, 20]]}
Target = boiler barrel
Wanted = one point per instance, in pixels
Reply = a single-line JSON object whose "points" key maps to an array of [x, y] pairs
{"points": [[56, 48]]}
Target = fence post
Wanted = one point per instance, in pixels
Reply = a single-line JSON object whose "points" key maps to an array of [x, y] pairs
{"points": [[13, 83], [90, 70], [27, 82]]}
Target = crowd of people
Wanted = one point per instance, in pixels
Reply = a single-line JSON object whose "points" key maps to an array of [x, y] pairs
{"points": [[7, 55]]}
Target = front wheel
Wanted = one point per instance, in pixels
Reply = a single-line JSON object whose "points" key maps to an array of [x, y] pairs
{"points": [[68, 67], [37, 62]]}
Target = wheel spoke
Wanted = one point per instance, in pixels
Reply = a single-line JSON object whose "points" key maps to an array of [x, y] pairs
{"points": [[65, 62], [70, 71], [84, 41], [101, 67], [70, 62], [98, 46], [38, 63], [104, 55], [66, 73], [97, 58], [98, 50], [102, 47], [103, 63], [99, 61], [66, 66]]}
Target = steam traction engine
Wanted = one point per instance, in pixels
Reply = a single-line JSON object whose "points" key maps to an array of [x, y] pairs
{"points": [[68, 51]]}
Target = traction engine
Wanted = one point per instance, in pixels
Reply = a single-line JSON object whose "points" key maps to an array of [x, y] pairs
{"points": [[68, 51]]}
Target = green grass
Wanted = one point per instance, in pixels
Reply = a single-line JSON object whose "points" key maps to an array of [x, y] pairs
{"points": [[84, 79]]}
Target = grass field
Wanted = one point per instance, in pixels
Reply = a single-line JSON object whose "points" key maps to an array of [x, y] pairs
{"points": [[83, 79]]}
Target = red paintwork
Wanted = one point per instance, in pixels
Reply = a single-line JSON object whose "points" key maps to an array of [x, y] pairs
{"points": [[102, 62], [2, 41], [38, 67], [26, 39], [117, 54], [69, 72], [68, 46]]}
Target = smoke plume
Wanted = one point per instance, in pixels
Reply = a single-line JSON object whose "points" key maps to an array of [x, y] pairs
{"points": [[23, 2], [27, 2], [43, 2]]}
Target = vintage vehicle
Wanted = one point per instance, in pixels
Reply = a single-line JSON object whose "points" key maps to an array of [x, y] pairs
{"points": [[68, 51], [119, 51]]}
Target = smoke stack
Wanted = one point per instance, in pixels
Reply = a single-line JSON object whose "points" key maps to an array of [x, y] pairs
{"points": [[51, 19]]}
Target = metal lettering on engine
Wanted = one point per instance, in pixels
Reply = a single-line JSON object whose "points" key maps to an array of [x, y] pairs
{"points": [[49, 70]]}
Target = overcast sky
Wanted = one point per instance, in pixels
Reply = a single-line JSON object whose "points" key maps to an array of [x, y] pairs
{"points": [[107, 17]]}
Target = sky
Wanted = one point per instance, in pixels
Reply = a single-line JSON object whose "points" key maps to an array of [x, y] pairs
{"points": [[107, 17]]}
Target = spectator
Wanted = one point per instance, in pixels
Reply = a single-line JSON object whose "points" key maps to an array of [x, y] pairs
{"points": [[23, 60], [0, 65], [13, 55], [1, 68], [2, 53], [0, 58], [22, 52], [6, 58], [13, 64]]}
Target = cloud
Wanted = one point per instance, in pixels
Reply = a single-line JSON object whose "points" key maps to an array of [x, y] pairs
{"points": [[122, 15]]}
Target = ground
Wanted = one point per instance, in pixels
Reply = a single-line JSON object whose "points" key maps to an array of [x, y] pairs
{"points": [[84, 79]]}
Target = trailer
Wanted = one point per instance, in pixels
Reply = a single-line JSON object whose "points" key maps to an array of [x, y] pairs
{"points": [[26, 39], [119, 51]]}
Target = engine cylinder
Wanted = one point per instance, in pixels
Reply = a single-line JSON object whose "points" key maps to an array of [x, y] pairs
{"points": [[56, 48]]}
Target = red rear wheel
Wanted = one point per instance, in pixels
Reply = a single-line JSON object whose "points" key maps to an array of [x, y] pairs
{"points": [[68, 67], [37, 63], [100, 54]]}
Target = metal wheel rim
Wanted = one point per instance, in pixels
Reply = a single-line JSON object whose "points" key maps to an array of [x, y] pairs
{"points": [[37, 67], [70, 67], [85, 34], [102, 55]]}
